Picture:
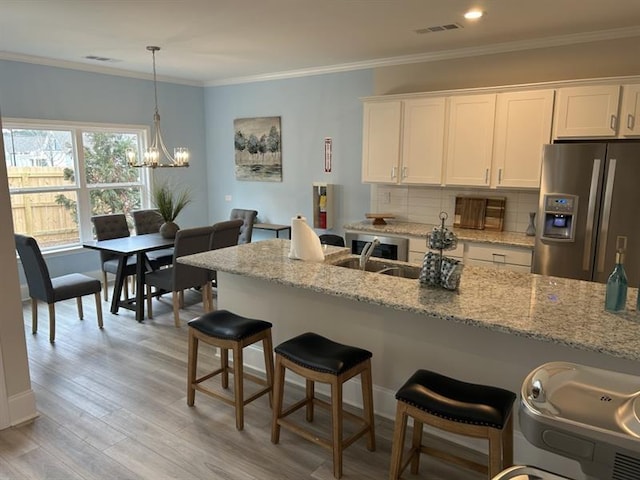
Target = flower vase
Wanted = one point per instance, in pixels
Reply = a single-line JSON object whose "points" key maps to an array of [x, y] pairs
{"points": [[169, 229], [531, 229]]}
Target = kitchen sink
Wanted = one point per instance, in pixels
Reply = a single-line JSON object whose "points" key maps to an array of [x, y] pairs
{"points": [[394, 269]]}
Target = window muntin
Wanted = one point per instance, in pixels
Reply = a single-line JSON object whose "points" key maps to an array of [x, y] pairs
{"points": [[53, 203]]}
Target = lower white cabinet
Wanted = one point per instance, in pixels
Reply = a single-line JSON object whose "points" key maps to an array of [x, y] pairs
{"points": [[517, 259], [418, 247]]}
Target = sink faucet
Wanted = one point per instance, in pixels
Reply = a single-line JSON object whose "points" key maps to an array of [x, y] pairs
{"points": [[367, 251]]}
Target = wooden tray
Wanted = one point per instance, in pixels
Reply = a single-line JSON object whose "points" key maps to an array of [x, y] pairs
{"points": [[378, 218]]}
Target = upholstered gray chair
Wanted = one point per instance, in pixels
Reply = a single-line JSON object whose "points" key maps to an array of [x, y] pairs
{"points": [[107, 227], [179, 276], [248, 218], [51, 290], [225, 234], [149, 221], [331, 239]]}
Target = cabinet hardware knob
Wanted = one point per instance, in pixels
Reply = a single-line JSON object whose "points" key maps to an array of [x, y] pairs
{"points": [[630, 121], [613, 122]]}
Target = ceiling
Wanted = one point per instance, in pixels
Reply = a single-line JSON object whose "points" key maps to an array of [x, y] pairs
{"points": [[215, 42]]}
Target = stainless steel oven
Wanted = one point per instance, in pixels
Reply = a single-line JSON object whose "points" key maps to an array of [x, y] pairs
{"points": [[391, 248]]}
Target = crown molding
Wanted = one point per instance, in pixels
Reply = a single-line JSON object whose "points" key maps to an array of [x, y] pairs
{"points": [[506, 47]]}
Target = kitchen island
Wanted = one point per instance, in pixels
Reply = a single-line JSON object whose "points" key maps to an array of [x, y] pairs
{"points": [[497, 328]]}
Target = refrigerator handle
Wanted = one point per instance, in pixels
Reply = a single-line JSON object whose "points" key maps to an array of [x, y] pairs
{"points": [[604, 229], [591, 213]]}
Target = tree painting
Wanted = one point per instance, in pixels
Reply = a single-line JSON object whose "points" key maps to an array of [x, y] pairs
{"points": [[257, 145]]}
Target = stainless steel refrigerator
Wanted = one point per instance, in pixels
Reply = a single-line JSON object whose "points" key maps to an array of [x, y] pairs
{"points": [[589, 207]]}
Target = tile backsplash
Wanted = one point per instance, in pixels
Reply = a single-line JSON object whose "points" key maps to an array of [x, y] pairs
{"points": [[422, 204]]}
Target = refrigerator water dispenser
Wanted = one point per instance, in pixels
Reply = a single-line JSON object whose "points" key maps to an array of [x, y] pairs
{"points": [[560, 210]]}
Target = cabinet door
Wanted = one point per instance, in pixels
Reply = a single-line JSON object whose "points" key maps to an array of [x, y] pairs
{"points": [[587, 111], [523, 126], [630, 112], [381, 141], [470, 143], [423, 141]]}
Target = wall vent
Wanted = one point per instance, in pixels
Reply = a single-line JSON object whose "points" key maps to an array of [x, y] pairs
{"points": [[438, 28]]}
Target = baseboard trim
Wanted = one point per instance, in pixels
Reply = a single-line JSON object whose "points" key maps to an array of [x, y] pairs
{"points": [[22, 408]]}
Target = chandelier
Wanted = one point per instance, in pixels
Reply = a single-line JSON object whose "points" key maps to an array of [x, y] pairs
{"points": [[152, 157]]}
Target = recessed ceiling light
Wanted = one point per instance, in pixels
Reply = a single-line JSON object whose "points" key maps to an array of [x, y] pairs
{"points": [[473, 14]]}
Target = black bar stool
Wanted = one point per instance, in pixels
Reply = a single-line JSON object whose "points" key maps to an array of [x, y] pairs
{"points": [[229, 331], [457, 407], [319, 359]]}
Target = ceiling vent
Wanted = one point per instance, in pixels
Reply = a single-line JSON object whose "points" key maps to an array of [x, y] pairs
{"points": [[438, 28], [100, 59]]}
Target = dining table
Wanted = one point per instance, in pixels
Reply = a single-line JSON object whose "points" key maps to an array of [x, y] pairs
{"points": [[138, 245]]}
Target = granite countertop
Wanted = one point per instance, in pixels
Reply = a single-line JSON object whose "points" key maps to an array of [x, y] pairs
{"points": [[513, 239], [563, 311]]}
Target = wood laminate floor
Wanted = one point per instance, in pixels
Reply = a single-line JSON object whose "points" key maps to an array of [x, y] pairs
{"points": [[112, 405]]}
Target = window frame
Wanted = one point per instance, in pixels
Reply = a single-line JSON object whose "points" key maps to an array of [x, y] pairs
{"points": [[81, 189]]}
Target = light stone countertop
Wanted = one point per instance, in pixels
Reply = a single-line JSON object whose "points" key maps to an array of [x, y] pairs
{"points": [[514, 239], [563, 311]]}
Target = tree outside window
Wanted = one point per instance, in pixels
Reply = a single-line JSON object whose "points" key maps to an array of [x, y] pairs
{"points": [[46, 191]]}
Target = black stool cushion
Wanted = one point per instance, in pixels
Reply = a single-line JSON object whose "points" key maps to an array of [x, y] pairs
{"points": [[457, 401], [228, 326], [318, 353]]}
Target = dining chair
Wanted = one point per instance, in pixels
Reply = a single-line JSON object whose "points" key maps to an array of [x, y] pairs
{"points": [[107, 227], [331, 239], [179, 276], [225, 234], [51, 290], [149, 221], [248, 218]]}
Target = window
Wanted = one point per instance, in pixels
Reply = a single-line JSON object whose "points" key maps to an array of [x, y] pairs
{"points": [[60, 175]]}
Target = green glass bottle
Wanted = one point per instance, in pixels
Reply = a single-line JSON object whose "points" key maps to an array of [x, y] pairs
{"points": [[616, 294]]}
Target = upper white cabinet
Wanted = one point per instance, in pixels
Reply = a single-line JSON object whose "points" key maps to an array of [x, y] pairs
{"points": [[423, 141], [630, 111], [381, 141], [403, 141], [523, 126], [470, 139], [588, 111]]}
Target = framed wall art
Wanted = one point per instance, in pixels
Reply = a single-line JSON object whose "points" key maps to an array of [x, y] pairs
{"points": [[258, 149]]}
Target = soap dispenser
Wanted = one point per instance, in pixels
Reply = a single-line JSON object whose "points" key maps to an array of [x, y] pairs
{"points": [[616, 294]]}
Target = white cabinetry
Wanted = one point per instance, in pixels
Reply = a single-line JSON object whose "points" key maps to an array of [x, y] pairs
{"points": [[587, 111], [381, 141], [470, 139], [423, 141], [630, 111], [418, 247], [523, 126], [403, 141], [517, 259]]}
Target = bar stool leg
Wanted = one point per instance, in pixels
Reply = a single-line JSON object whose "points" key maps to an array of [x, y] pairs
{"points": [[367, 403], [238, 386], [224, 364], [495, 452], [191, 368], [336, 421], [398, 442], [310, 393], [416, 446], [267, 349], [278, 393], [507, 442]]}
